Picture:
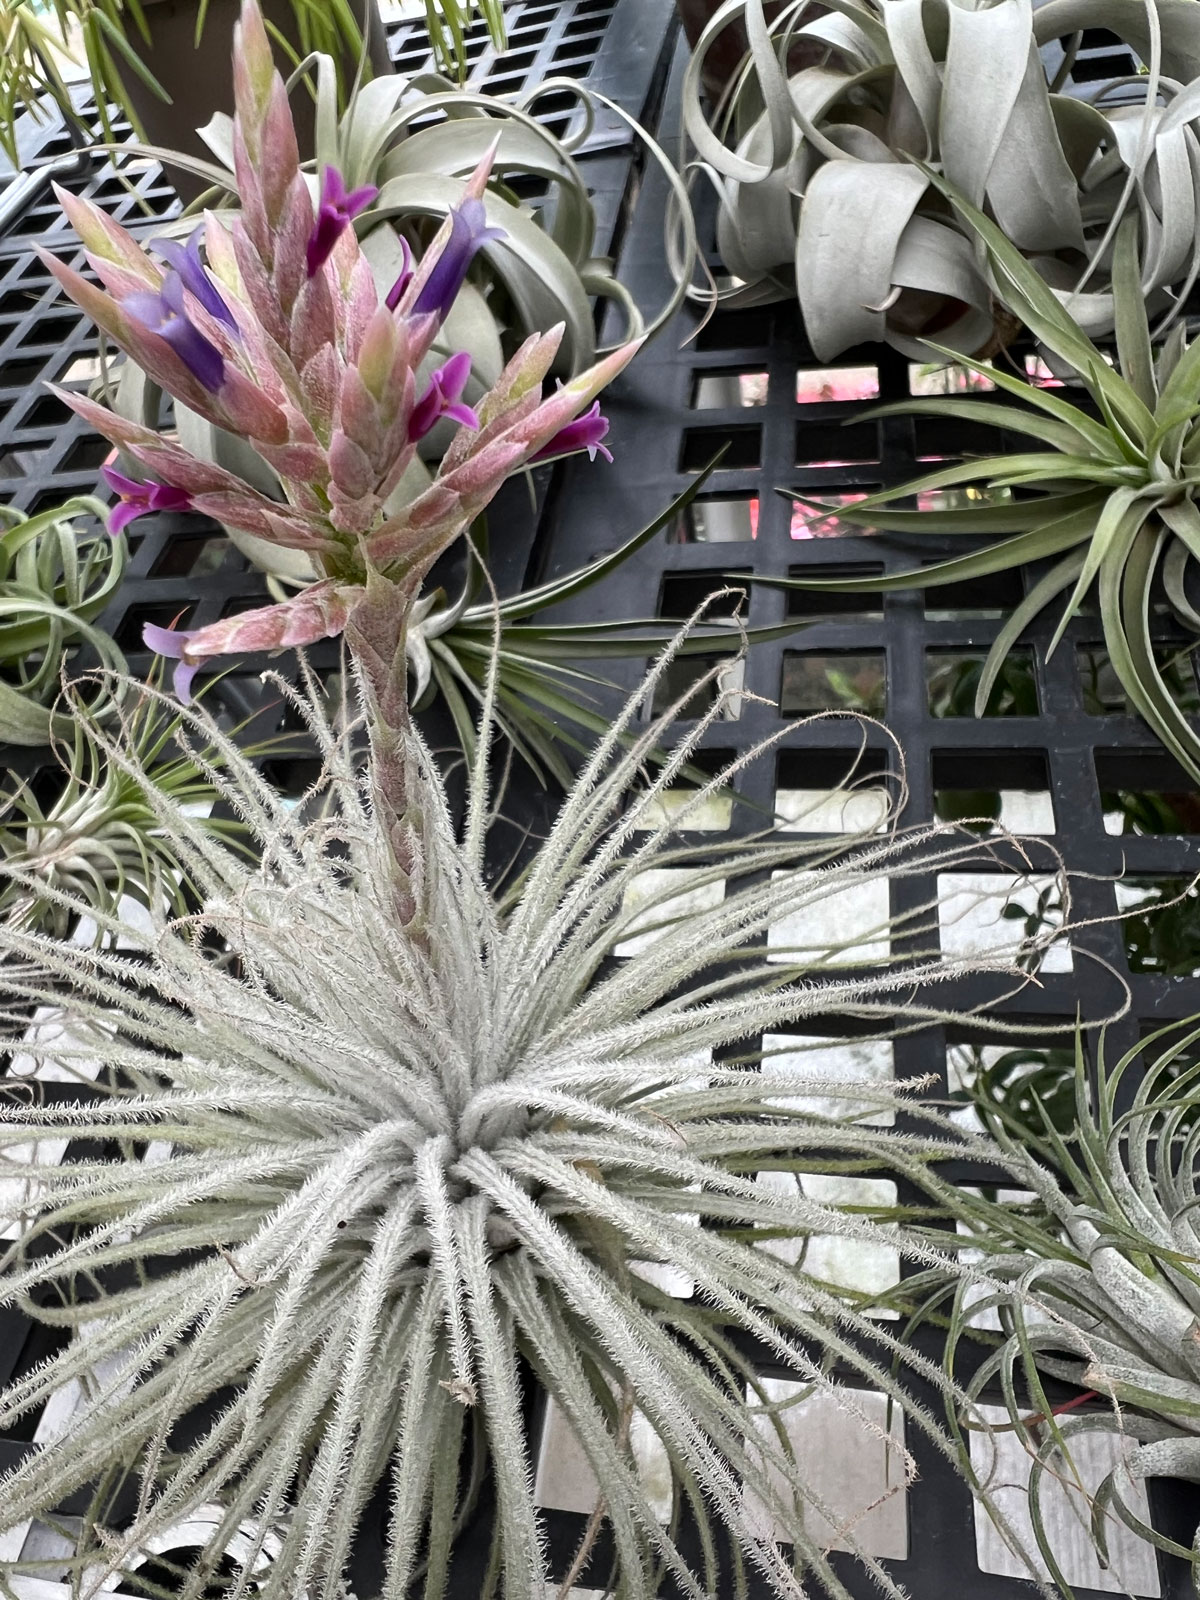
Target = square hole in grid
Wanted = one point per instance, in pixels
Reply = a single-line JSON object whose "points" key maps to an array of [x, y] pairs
{"points": [[1146, 792], [821, 1075], [1002, 1462], [951, 438], [824, 385], [751, 328], [993, 596], [821, 603], [682, 593], [1025, 1076], [850, 1444], [1160, 925], [659, 899], [564, 1479], [832, 924], [833, 791], [16, 374], [742, 442], [712, 391], [944, 377], [833, 680], [833, 444], [992, 914], [680, 803], [822, 521], [952, 678], [46, 411], [53, 330], [868, 1267], [1103, 67], [716, 519], [687, 675], [1102, 692], [191, 555], [990, 789], [20, 463]]}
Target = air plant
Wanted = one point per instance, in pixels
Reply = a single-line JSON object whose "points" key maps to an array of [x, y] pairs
{"points": [[1109, 497], [817, 195], [448, 22], [99, 840], [419, 1144], [53, 584], [1089, 1231]]}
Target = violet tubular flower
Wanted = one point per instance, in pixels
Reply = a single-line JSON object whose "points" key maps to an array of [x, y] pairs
{"points": [[443, 398], [163, 313], [139, 499], [173, 643], [337, 210], [469, 232], [585, 433], [185, 258]]}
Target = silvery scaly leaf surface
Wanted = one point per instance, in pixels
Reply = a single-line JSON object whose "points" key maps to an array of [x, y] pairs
{"points": [[418, 1151], [810, 152]]}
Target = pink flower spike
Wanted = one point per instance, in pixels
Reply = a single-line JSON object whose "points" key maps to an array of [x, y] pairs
{"points": [[585, 433], [395, 293], [335, 213], [173, 643], [443, 398], [139, 499]]}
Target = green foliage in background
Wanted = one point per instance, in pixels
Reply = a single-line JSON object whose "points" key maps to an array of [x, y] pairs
{"points": [[53, 584]]}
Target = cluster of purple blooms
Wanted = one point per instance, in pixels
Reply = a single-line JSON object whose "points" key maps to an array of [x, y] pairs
{"points": [[280, 337]]}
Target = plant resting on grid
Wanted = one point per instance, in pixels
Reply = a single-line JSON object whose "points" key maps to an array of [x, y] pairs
{"points": [[421, 1141], [1111, 500], [811, 153], [1094, 1274]]}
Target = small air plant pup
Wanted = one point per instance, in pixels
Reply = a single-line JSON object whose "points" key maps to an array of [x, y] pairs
{"points": [[283, 340]]}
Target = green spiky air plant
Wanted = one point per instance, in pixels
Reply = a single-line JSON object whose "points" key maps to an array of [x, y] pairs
{"points": [[1111, 497], [53, 584], [1091, 1236], [99, 839], [417, 1150]]}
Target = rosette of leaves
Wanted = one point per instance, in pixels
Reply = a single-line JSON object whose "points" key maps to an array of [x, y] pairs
{"points": [[53, 584], [422, 1148], [1090, 1230], [1109, 497], [809, 152]]}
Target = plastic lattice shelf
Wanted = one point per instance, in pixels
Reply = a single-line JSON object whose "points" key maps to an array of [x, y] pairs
{"points": [[1060, 759]]}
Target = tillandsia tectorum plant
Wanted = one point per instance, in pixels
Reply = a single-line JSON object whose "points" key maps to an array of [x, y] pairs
{"points": [[422, 1147], [53, 584], [98, 840], [1090, 1231], [816, 195], [1113, 499]]}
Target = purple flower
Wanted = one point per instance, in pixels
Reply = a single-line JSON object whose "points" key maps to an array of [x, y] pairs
{"points": [[172, 643], [468, 233], [336, 212], [443, 398], [396, 292], [163, 313], [185, 258], [585, 433], [137, 499]]}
